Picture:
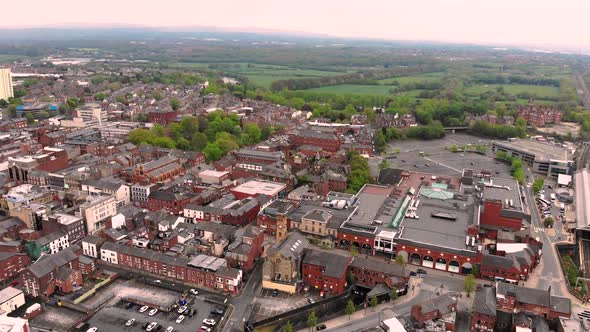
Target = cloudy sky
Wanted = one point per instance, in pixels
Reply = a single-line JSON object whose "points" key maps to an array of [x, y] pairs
{"points": [[540, 22]]}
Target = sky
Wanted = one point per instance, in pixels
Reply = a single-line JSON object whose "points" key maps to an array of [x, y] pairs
{"points": [[507, 22]]}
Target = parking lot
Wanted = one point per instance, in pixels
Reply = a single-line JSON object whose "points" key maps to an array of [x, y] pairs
{"points": [[434, 156], [114, 318], [267, 305]]}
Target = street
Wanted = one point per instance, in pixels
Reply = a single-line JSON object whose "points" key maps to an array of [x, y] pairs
{"points": [[243, 304]]}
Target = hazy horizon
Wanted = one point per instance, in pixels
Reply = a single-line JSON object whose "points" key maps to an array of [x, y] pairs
{"points": [[501, 22]]}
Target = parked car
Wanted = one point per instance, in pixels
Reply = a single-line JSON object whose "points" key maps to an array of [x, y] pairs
{"points": [[158, 281], [217, 311], [129, 305], [320, 327], [205, 328], [151, 326], [169, 329], [275, 292], [310, 300], [130, 322], [144, 308], [182, 309], [209, 321], [413, 274], [153, 312], [421, 271], [194, 291], [158, 328], [179, 319], [92, 329]]}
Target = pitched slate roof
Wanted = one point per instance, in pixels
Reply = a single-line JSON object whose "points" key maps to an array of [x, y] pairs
{"points": [[484, 301], [48, 263], [335, 265]]}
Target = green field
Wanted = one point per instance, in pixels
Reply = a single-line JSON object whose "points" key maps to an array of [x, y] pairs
{"points": [[260, 74], [8, 58], [540, 91], [355, 89], [426, 77]]}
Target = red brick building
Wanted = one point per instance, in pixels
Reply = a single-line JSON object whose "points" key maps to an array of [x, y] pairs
{"points": [[246, 249], [11, 264], [483, 313], [327, 141], [370, 272], [50, 160], [278, 209], [200, 271], [495, 215], [437, 308], [162, 117], [539, 115], [160, 170], [233, 212], [52, 138], [514, 299], [325, 271], [171, 202], [47, 274]]}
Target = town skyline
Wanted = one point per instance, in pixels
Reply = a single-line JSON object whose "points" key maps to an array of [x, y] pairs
{"points": [[525, 23]]}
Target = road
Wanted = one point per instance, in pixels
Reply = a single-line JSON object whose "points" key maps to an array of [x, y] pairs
{"points": [[582, 90], [549, 270], [243, 304]]}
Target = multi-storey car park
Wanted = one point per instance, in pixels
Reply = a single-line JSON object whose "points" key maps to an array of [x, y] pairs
{"points": [[545, 158]]}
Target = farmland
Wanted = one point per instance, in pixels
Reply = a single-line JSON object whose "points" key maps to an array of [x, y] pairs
{"points": [[542, 92], [258, 74], [426, 77], [355, 89]]}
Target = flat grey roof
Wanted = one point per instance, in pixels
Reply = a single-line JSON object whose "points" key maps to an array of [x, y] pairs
{"points": [[370, 200], [441, 223], [543, 151], [582, 195], [503, 189]]}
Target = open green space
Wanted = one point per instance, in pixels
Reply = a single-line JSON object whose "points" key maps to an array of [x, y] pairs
{"points": [[426, 77], [356, 89], [259, 74], [539, 90], [8, 58]]}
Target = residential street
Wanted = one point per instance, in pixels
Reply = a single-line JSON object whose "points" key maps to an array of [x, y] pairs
{"points": [[243, 304]]}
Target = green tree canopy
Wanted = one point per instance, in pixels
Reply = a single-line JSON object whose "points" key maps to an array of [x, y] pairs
{"points": [[350, 308], [312, 320], [469, 284]]}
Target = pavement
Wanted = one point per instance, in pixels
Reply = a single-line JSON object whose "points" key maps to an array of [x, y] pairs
{"points": [[243, 304]]}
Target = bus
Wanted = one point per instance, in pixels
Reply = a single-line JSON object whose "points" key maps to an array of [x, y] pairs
{"points": [[544, 201]]}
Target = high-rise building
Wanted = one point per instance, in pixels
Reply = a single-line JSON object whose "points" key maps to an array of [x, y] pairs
{"points": [[5, 84]]}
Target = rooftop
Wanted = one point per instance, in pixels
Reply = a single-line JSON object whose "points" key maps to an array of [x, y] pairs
{"points": [[370, 200], [207, 262], [8, 293], [582, 197], [439, 222], [504, 190], [256, 187], [541, 150], [335, 265]]}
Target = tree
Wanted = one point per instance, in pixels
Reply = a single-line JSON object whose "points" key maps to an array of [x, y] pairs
{"points": [[548, 222], [11, 111], [393, 295], [401, 261], [164, 142], [288, 327], [469, 284], [30, 118], [199, 141], [212, 152], [384, 164], [373, 302], [3, 103], [538, 184], [350, 278], [175, 103], [312, 320], [350, 308], [157, 96]]}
